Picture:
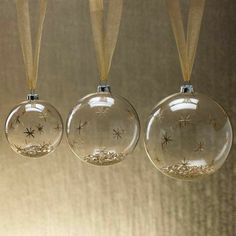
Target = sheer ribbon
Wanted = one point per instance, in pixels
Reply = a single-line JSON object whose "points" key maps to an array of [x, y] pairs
{"points": [[186, 44], [105, 32], [31, 59]]}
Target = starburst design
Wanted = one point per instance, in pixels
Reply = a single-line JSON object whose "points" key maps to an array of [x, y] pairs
{"points": [[117, 133], [17, 121], [160, 115], [58, 127], [130, 115], [29, 132], [48, 110], [184, 120], [81, 125], [44, 116], [74, 143], [184, 162], [40, 128], [11, 126], [18, 148], [166, 139], [200, 147], [212, 121], [77, 143], [102, 111]]}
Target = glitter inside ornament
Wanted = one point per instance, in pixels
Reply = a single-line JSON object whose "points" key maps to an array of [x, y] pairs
{"points": [[188, 135], [102, 129], [34, 128]]}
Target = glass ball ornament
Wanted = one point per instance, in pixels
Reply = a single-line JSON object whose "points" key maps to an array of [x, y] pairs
{"points": [[188, 135], [102, 129], [34, 128]]}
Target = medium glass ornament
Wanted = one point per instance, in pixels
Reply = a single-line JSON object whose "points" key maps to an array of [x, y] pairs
{"points": [[34, 128], [188, 135], [102, 129]]}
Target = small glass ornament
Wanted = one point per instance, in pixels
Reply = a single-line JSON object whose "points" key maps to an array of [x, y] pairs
{"points": [[188, 135], [102, 129], [34, 128]]}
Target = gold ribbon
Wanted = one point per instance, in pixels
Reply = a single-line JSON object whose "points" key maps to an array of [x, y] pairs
{"points": [[187, 45], [31, 60], [105, 32]]}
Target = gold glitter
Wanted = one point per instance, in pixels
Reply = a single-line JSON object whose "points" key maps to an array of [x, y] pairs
{"points": [[103, 157], [187, 171], [34, 150]]}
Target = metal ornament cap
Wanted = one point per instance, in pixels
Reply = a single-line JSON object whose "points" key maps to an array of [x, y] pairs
{"points": [[103, 89], [32, 97], [187, 88]]}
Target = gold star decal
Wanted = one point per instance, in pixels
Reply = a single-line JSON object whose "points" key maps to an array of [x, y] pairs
{"points": [[166, 139], [11, 126], [43, 115], [184, 162], [40, 128], [17, 121], [200, 147], [102, 111], [58, 127], [184, 121], [117, 133], [18, 148], [29, 133], [81, 126], [212, 121], [130, 115]]}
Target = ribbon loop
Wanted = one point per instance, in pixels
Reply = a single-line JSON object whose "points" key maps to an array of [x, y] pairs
{"points": [[105, 32], [186, 45], [31, 60]]}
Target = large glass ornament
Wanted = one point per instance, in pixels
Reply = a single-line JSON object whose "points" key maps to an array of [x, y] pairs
{"points": [[102, 129], [34, 128], [188, 135]]}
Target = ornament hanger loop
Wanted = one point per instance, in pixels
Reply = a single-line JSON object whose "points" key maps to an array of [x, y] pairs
{"points": [[31, 59], [105, 32], [186, 44]]}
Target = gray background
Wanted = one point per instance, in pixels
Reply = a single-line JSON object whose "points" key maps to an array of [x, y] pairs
{"points": [[59, 195]]}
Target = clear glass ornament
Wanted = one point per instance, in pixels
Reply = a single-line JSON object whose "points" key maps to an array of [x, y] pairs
{"points": [[188, 135], [34, 128], [102, 129]]}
